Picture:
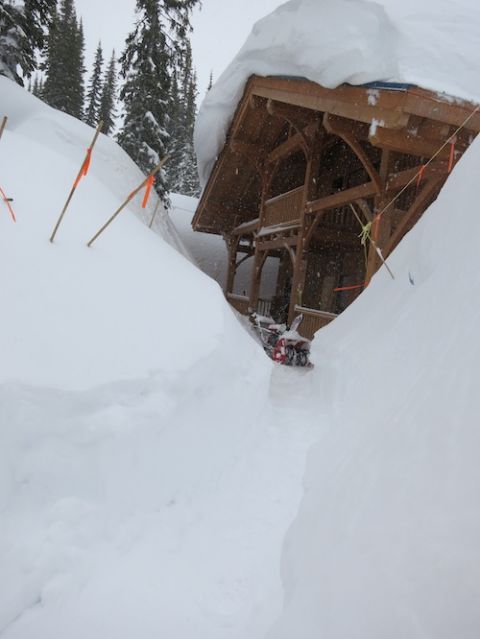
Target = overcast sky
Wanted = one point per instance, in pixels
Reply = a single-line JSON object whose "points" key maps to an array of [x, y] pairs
{"points": [[220, 29]]}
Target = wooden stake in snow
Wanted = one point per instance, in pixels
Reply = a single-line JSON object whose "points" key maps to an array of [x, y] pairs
{"points": [[146, 181], [3, 125], [83, 171], [154, 215]]}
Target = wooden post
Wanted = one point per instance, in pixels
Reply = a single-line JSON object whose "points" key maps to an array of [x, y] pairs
{"points": [[232, 244], [260, 258], [380, 231], [128, 200], [75, 184], [3, 125], [300, 264]]}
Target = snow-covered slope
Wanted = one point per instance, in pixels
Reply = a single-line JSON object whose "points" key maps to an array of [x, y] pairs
{"points": [[208, 251], [76, 316], [387, 542], [433, 43], [138, 497]]}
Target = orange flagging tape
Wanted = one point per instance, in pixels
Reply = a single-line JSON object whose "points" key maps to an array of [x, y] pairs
{"points": [[420, 174], [7, 202], [85, 167], [150, 183], [349, 288]]}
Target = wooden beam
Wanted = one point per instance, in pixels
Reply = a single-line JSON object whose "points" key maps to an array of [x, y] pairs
{"points": [[414, 213], [335, 126], [349, 102], [441, 108], [277, 243], [293, 143], [365, 209], [342, 197], [409, 143], [247, 228], [296, 117], [397, 181]]}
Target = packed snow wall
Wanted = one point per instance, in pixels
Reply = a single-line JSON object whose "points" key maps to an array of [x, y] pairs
{"points": [[386, 543]]}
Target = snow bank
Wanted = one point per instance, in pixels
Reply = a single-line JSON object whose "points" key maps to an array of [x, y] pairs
{"points": [[433, 44], [77, 317], [208, 251], [387, 541], [138, 497]]}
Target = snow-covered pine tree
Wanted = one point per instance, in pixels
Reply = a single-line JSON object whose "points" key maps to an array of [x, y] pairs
{"points": [[95, 89], [147, 62], [37, 86], [64, 65], [107, 112], [23, 25], [189, 173], [182, 168]]}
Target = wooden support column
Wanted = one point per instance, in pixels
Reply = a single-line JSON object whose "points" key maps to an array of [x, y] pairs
{"points": [[232, 244], [381, 228], [309, 194], [260, 256]]}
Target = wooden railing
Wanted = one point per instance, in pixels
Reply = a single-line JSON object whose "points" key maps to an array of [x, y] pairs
{"points": [[264, 307], [313, 320], [284, 208], [239, 303]]}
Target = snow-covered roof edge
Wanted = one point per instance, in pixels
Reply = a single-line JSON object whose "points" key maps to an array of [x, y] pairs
{"points": [[332, 42]]}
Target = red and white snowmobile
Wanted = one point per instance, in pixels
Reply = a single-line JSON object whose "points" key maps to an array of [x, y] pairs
{"points": [[284, 345]]}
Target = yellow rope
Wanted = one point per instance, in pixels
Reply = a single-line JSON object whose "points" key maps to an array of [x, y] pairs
{"points": [[365, 235], [424, 166]]}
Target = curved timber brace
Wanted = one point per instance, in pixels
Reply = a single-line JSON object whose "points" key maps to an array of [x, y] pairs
{"points": [[306, 128], [343, 129]]}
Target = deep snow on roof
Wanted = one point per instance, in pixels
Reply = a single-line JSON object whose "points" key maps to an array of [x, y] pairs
{"points": [[432, 44]]}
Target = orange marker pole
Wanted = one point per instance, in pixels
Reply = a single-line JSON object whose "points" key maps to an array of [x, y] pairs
{"points": [[3, 125], [83, 171], [7, 201], [146, 181]]}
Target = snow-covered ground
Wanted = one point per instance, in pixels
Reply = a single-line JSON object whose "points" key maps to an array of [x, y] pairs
{"points": [[387, 541], [151, 458], [147, 474]]}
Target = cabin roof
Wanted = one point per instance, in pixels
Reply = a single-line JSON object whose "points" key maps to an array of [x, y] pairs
{"points": [[277, 111]]}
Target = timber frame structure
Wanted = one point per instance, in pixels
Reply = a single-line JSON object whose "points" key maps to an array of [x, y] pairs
{"points": [[305, 167]]}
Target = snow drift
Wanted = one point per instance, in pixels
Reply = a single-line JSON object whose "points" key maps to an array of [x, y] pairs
{"points": [[387, 541], [78, 317], [135, 498], [432, 44]]}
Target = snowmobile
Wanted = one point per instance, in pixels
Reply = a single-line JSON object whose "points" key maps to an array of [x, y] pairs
{"points": [[283, 344]]}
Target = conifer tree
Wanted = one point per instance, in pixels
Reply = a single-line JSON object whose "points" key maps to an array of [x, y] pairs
{"points": [[107, 112], [37, 86], [147, 63], [64, 65], [23, 27], [182, 168], [95, 89]]}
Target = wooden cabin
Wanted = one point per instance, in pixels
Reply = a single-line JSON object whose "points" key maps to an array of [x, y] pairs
{"points": [[306, 170]]}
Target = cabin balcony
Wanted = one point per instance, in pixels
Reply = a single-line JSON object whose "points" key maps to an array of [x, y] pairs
{"points": [[284, 209]]}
